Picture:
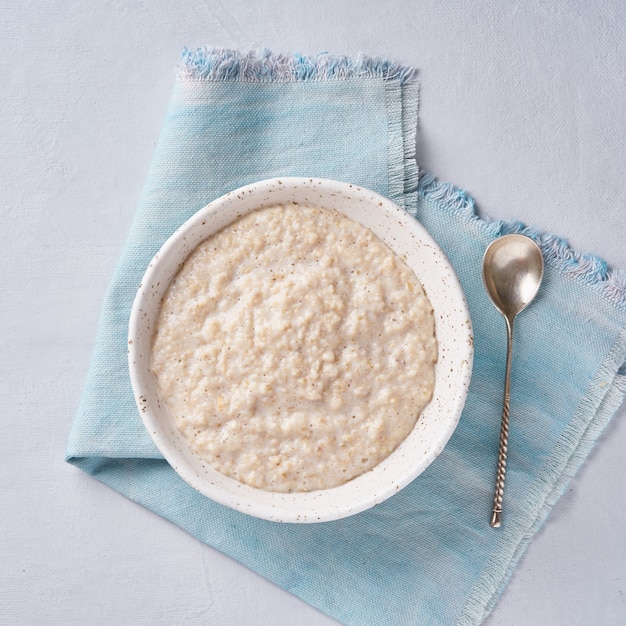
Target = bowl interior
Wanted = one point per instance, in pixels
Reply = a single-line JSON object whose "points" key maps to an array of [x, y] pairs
{"points": [[403, 234]]}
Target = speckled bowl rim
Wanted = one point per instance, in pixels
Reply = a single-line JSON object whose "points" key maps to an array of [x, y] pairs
{"points": [[408, 238]]}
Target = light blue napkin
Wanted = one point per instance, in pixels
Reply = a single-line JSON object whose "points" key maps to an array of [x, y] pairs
{"points": [[428, 554]]}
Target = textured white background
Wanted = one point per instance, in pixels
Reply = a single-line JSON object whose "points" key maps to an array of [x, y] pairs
{"points": [[523, 104]]}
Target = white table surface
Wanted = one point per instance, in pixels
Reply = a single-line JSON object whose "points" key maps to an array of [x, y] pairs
{"points": [[523, 104]]}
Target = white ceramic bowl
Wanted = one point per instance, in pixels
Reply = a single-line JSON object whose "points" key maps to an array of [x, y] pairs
{"points": [[406, 237]]}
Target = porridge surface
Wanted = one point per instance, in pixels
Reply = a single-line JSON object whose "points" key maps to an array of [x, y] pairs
{"points": [[294, 349]]}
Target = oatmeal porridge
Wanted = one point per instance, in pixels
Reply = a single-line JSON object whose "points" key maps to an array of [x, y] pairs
{"points": [[294, 349]]}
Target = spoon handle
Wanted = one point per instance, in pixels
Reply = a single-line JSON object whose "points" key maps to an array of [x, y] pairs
{"points": [[496, 514]]}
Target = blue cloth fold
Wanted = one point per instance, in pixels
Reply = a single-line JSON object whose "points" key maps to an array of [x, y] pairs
{"points": [[428, 554]]}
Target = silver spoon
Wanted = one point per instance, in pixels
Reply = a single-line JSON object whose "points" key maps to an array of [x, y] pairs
{"points": [[512, 272]]}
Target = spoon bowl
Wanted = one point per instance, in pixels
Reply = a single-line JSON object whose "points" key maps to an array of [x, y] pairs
{"points": [[512, 273]]}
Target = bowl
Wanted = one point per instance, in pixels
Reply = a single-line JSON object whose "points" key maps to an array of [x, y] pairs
{"points": [[407, 238]]}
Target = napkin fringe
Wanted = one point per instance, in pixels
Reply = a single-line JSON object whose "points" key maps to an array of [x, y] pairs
{"points": [[557, 253], [261, 66]]}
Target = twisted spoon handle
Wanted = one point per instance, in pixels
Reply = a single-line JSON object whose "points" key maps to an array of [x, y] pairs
{"points": [[496, 514]]}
